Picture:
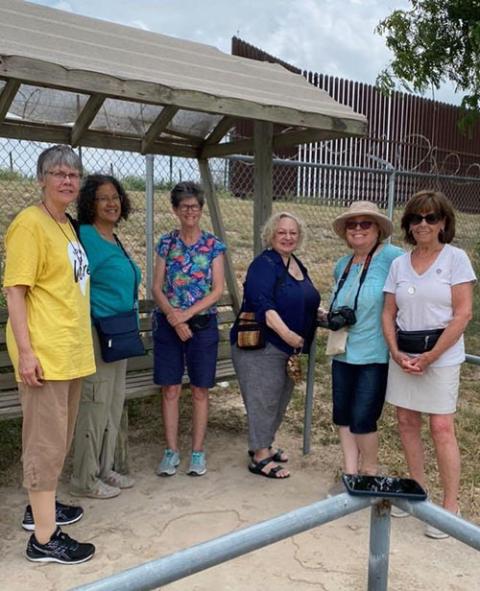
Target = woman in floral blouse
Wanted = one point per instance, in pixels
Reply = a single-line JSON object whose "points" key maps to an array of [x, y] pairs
{"points": [[188, 281]]}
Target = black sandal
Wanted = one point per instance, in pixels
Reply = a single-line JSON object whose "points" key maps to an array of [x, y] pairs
{"points": [[276, 456], [257, 468]]}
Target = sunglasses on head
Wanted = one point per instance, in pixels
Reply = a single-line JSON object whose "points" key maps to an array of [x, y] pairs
{"points": [[431, 218], [352, 225]]}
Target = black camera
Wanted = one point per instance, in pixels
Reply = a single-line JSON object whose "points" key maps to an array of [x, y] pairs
{"points": [[337, 319]]}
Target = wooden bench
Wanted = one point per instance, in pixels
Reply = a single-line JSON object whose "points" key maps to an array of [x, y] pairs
{"points": [[140, 369]]}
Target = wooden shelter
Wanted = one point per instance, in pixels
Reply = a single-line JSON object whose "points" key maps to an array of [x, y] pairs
{"points": [[75, 80]]}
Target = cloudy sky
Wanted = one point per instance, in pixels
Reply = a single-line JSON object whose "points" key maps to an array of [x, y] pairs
{"points": [[328, 36]]}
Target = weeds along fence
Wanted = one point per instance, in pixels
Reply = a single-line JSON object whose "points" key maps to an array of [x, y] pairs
{"points": [[316, 192]]}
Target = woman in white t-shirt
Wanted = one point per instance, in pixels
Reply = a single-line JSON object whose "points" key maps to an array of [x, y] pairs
{"points": [[428, 289]]}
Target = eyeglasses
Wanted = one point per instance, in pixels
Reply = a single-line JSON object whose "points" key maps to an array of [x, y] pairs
{"points": [[353, 225], [431, 218], [193, 208], [63, 176], [104, 199]]}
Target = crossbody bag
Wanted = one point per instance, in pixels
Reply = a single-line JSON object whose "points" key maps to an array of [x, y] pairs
{"points": [[119, 335]]}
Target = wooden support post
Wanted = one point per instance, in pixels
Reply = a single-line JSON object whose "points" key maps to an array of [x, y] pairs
{"points": [[262, 209], [219, 229]]}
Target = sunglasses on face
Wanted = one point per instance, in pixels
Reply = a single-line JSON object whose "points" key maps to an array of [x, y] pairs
{"points": [[353, 225], [431, 219]]}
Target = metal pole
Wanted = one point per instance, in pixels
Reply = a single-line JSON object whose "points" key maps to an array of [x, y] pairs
{"points": [[156, 573], [307, 421], [379, 547], [149, 238]]}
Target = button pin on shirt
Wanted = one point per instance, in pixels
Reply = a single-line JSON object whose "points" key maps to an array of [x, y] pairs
{"points": [[411, 290]]}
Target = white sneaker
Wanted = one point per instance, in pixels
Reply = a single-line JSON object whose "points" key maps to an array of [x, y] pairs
{"points": [[101, 490], [118, 480], [398, 513], [437, 534]]}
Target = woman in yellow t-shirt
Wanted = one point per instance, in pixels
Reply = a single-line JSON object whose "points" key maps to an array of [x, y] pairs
{"points": [[49, 341]]}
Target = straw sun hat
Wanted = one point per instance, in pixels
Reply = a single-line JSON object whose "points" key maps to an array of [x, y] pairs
{"points": [[358, 208]]}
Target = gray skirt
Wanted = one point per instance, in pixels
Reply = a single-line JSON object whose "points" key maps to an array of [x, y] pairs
{"points": [[266, 391], [434, 392]]}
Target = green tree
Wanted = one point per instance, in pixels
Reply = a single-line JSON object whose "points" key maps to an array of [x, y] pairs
{"points": [[433, 42]]}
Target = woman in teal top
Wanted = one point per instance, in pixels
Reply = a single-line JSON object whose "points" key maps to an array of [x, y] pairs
{"points": [[359, 374], [114, 280]]}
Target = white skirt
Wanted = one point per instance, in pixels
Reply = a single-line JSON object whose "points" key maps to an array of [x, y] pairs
{"points": [[434, 392]]}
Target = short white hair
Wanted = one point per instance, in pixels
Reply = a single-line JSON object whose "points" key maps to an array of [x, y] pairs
{"points": [[270, 227]]}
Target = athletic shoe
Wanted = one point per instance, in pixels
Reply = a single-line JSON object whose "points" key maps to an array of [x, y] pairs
{"points": [[169, 464], [398, 513], [60, 548], [101, 490], [437, 534], [64, 515], [198, 465], [118, 480]]}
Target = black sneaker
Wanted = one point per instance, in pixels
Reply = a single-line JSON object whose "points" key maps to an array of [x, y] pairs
{"points": [[61, 548], [64, 515]]}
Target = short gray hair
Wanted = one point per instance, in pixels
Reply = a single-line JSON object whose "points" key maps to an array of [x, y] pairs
{"points": [[57, 156], [271, 224]]}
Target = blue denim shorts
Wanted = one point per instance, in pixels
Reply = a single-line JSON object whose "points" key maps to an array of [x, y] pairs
{"points": [[358, 395], [171, 355]]}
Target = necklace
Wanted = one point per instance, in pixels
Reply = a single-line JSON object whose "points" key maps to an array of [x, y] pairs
{"points": [[80, 266]]}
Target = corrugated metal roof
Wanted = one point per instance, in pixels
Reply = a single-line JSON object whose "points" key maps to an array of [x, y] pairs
{"points": [[135, 74]]}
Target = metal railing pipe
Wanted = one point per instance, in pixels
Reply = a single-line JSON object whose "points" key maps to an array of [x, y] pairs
{"points": [[466, 532], [472, 359], [307, 420], [379, 547], [202, 556]]}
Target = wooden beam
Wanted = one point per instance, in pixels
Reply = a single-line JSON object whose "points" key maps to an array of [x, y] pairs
{"points": [[87, 115], [6, 97], [222, 128], [156, 128], [219, 229], [228, 148], [262, 207], [39, 72], [93, 139]]}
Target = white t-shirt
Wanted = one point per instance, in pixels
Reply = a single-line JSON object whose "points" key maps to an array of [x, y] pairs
{"points": [[425, 301]]}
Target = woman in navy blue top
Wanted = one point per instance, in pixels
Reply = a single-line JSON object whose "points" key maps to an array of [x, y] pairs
{"points": [[280, 293]]}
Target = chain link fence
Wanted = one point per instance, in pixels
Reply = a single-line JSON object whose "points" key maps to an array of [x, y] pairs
{"points": [[315, 192]]}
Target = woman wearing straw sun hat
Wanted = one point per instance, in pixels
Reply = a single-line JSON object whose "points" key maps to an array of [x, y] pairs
{"points": [[360, 354]]}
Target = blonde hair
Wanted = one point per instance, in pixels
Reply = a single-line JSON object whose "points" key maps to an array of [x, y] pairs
{"points": [[270, 227]]}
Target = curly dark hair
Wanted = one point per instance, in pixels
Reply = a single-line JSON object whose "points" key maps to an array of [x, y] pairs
{"points": [[185, 190], [86, 208], [429, 201]]}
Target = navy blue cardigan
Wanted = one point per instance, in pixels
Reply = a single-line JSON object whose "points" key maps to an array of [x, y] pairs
{"points": [[269, 286]]}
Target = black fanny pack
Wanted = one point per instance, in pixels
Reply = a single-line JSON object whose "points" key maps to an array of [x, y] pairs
{"points": [[418, 341], [199, 322]]}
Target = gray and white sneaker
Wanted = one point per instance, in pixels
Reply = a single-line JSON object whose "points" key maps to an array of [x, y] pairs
{"points": [[118, 480], [169, 464], [198, 465]]}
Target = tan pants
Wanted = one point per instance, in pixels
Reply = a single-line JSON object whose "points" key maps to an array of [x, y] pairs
{"points": [[49, 414], [101, 406]]}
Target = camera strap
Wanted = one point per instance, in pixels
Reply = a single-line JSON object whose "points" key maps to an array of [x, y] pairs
{"points": [[363, 275]]}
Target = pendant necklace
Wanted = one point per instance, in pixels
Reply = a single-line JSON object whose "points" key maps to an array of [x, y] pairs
{"points": [[77, 250]]}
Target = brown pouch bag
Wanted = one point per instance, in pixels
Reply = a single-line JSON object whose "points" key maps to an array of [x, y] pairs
{"points": [[294, 368], [250, 332]]}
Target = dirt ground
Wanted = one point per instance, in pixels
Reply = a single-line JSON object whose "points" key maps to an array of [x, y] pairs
{"points": [[161, 515]]}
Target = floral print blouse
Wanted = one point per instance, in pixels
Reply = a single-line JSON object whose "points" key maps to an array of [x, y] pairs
{"points": [[188, 268]]}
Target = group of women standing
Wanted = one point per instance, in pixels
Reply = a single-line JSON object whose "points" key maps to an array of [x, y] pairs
{"points": [[59, 275]]}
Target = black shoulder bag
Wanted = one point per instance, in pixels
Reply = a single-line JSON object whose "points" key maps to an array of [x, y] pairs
{"points": [[119, 335]]}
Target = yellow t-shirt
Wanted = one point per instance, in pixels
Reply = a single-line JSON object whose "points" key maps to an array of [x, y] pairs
{"points": [[53, 264]]}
